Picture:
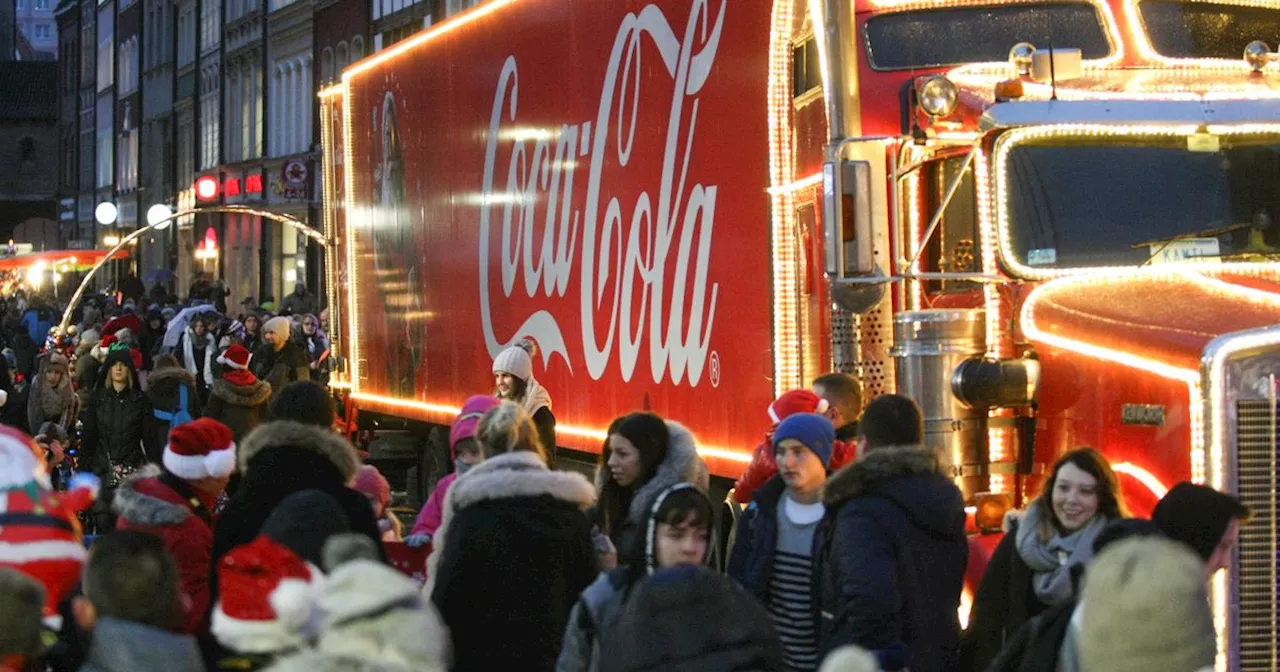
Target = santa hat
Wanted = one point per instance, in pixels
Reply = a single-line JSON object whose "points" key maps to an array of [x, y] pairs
{"points": [[41, 535], [796, 401], [236, 357], [267, 599], [203, 448]]}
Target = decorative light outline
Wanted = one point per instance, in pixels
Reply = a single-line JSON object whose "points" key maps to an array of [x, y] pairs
{"points": [[1012, 138], [1146, 478], [1146, 50], [786, 332], [439, 30]]}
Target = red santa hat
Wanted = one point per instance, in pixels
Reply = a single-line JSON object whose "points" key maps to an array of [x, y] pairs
{"points": [[268, 599], [236, 357], [796, 401], [40, 532], [203, 448]]}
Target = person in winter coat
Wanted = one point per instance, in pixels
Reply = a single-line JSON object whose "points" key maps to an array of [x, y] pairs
{"points": [[690, 619], [1032, 567], [197, 351], [13, 404], [266, 608], [52, 398], [280, 458], [300, 302], [316, 344], [114, 426], [238, 399], [1204, 519], [175, 502], [513, 552], [131, 603], [24, 349], [165, 392], [513, 375], [86, 365], [373, 621], [466, 453], [1050, 641], [252, 331], [372, 484], [843, 395], [280, 361], [774, 555], [762, 468], [38, 320], [892, 555], [678, 532], [152, 333], [642, 457]]}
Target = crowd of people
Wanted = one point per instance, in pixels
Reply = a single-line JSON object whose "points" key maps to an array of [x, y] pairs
{"points": [[236, 529]]}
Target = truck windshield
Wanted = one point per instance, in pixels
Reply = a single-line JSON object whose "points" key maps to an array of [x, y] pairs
{"points": [[981, 34], [1181, 29], [1142, 199]]}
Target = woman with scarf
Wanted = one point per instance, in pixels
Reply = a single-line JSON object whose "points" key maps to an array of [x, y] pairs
{"points": [[316, 344], [1043, 552], [513, 376], [198, 351], [52, 398]]}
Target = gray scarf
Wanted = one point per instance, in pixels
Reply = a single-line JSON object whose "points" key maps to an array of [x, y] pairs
{"points": [[1051, 561]]}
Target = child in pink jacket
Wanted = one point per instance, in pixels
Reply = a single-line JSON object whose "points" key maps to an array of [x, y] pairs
{"points": [[465, 451]]}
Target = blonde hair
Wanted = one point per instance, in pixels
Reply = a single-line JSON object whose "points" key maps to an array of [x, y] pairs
{"points": [[507, 428]]}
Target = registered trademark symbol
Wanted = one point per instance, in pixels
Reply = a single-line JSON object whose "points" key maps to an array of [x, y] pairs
{"points": [[715, 369]]}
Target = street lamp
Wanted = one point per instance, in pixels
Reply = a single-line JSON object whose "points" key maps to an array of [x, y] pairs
{"points": [[158, 216], [106, 213]]}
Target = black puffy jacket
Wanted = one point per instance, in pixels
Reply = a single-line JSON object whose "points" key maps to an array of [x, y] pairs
{"points": [[115, 422], [892, 559]]}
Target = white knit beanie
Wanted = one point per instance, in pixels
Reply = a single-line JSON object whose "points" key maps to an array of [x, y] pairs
{"points": [[278, 326], [850, 658], [1145, 607], [516, 360]]}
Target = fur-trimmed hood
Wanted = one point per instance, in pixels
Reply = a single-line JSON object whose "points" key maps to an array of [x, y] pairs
{"points": [[241, 395], [681, 465], [518, 474], [909, 476], [321, 440], [139, 508]]}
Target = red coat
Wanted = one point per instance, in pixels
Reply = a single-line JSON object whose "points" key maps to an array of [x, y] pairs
{"points": [[762, 467], [146, 504]]}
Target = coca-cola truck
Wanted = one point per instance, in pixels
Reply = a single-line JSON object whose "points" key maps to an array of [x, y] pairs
{"points": [[1050, 223]]}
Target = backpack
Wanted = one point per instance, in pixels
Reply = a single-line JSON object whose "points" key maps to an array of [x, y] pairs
{"points": [[180, 415]]}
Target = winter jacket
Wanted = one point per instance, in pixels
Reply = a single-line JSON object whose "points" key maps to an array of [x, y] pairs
{"points": [[681, 465], [86, 375], [433, 511], [240, 407], [201, 364], [511, 557], [1004, 601], [163, 392], [1035, 647], [299, 304], [751, 560], [596, 611], [283, 457], [52, 404], [763, 468], [38, 320], [280, 368], [891, 560], [123, 646], [114, 424], [161, 504], [545, 421]]}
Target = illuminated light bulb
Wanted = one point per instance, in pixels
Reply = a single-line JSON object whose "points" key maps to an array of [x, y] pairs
{"points": [[1146, 478], [782, 173]]}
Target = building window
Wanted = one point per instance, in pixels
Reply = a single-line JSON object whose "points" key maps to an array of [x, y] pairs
{"points": [[342, 58], [42, 4], [20, 5], [326, 65], [357, 48], [43, 32]]}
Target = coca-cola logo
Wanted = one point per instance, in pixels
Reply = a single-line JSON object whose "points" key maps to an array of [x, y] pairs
{"points": [[640, 245]]}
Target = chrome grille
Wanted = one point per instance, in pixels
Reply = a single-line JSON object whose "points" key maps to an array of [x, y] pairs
{"points": [[1258, 563]]}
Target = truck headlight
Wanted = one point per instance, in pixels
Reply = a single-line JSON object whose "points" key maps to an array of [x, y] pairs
{"points": [[938, 96]]}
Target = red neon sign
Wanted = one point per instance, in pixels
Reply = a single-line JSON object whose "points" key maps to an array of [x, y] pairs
{"points": [[232, 187], [253, 184], [207, 188]]}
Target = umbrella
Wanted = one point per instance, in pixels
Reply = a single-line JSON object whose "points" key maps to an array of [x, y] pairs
{"points": [[159, 275], [181, 321]]}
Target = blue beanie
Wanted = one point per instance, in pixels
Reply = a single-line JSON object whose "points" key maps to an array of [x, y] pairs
{"points": [[813, 430]]}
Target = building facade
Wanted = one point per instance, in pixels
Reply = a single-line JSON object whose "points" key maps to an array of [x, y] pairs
{"points": [[37, 27], [28, 144]]}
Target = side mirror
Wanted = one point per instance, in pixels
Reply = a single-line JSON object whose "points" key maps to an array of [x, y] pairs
{"points": [[846, 217]]}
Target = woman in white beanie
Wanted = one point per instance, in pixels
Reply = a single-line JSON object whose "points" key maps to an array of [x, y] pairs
{"points": [[513, 375]]}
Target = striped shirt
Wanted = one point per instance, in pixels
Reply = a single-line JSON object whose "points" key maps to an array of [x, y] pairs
{"points": [[791, 584]]}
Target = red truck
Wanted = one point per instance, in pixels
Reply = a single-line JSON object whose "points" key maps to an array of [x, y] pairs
{"points": [[1050, 223]]}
